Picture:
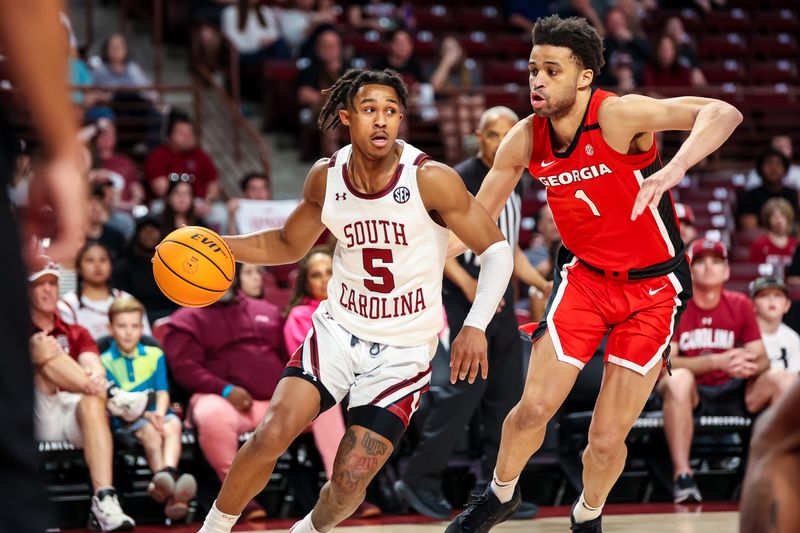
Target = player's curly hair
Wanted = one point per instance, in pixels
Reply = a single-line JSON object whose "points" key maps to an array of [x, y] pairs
{"points": [[345, 88], [574, 33]]}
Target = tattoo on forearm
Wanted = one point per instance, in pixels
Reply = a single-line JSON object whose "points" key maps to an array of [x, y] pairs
{"points": [[372, 445]]}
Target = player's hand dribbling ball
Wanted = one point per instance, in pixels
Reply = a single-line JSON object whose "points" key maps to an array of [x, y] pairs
{"points": [[193, 266]]}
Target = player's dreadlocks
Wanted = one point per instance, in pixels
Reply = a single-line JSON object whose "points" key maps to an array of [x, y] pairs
{"points": [[574, 33], [346, 87]]}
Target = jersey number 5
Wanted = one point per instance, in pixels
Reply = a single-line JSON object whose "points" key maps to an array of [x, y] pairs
{"points": [[384, 257], [581, 195]]}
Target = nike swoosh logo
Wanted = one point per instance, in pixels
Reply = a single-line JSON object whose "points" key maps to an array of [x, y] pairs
{"points": [[654, 292], [547, 164]]}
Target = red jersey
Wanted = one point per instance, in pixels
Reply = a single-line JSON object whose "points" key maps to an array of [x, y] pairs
{"points": [[731, 324], [763, 250], [591, 189], [162, 161], [74, 339]]}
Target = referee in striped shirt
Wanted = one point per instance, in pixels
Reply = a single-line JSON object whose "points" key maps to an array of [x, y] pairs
{"points": [[453, 406]]}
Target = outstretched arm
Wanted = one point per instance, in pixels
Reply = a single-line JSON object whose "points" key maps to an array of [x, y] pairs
{"points": [[444, 194], [511, 159], [709, 121], [289, 243]]}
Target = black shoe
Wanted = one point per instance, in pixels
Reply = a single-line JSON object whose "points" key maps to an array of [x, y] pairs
{"points": [[592, 526], [484, 512], [685, 490], [525, 511], [428, 502]]}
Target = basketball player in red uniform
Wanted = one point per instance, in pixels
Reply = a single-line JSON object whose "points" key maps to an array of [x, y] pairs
{"points": [[622, 268], [390, 208]]}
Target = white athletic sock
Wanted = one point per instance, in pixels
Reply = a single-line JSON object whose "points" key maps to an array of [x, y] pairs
{"points": [[218, 522], [504, 490], [304, 526], [585, 512]]}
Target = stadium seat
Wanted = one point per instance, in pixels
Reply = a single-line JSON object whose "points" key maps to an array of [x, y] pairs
{"points": [[513, 45], [487, 18], [724, 70], [722, 46], [433, 18], [777, 20], [499, 72], [780, 71], [749, 271], [781, 45], [731, 20]]}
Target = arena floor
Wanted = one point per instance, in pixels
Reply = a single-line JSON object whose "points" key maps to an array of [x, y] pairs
{"points": [[649, 518]]}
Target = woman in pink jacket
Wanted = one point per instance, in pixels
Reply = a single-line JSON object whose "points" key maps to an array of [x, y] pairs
{"points": [[311, 287]]}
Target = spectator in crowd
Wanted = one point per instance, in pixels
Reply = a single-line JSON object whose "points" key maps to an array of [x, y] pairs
{"points": [[782, 143], [775, 247], [378, 15], [666, 69], [76, 413], [400, 58], [253, 186], [254, 31], [625, 54], [117, 72], [117, 215], [301, 19], [179, 208], [585, 9], [522, 14], [134, 367], [180, 154], [251, 280], [326, 66], [686, 218], [771, 302], [229, 357], [99, 229], [88, 305], [686, 48], [311, 288], [772, 167], [720, 366], [134, 272], [125, 173], [540, 251]]}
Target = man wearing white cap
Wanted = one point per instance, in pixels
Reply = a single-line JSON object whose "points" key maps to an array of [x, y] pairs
{"points": [[70, 402]]}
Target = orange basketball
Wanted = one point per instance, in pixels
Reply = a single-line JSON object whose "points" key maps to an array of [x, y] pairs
{"points": [[193, 266]]}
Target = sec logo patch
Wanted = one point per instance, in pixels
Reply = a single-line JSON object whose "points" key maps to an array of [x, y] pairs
{"points": [[401, 195]]}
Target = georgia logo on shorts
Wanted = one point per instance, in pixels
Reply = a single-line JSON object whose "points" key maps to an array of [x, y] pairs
{"points": [[589, 149], [401, 195]]}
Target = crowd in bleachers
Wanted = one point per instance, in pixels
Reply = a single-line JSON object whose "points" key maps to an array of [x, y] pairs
{"points": [[212, 371]]}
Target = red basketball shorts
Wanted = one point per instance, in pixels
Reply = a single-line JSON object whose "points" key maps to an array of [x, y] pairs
{"points": [[639, 316]]}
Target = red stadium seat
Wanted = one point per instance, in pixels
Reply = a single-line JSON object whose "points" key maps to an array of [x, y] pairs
{"points": [[731, 20], [781, 45], [435, 17], [277, 296], [365, 44], [749, 271], [724, 71], [487, 18], [742, 286], [780, 71], [777, 20], [722, 46], [513, 45], [477, 44], [499, 72], [425, 44]]}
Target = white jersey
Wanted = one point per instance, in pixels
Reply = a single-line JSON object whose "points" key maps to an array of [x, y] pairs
{"points": [[783, 348], [387, 267]]}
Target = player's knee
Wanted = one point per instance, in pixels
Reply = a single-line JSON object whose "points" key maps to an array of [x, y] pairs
{"points": [[606, 444], [534, 414], [679, 385], [272, 439]]}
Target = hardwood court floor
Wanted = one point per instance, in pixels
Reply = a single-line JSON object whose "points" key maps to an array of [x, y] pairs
{"points": [[649, 518]]}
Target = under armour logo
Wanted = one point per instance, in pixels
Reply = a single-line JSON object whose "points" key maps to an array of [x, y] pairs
{"points": [[706, 321], [341, 196]]}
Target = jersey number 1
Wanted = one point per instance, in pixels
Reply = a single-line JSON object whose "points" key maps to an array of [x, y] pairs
{"points": [[384, 256], [581, 195]]}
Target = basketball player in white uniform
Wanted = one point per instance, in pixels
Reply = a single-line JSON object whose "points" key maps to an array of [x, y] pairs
{"points": [[388, 205]]}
